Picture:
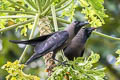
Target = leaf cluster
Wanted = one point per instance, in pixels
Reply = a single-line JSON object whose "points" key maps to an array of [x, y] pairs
{"points": [[15, 72], [70, 10], [118, 58], [10, 6], [21, 11], [94, 11], [79, 69]]}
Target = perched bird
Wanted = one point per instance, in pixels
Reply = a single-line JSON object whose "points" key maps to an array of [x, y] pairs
{"points": [[52, 42], [77, 46]]}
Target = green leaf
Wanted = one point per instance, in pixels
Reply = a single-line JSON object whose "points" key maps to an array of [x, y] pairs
{"points": [[79, 69], [118, 58], [15, 72], [69, 11], [94, 58], [94, 11], [24, 31], [118, 51], [30, 26], [2, 24]]}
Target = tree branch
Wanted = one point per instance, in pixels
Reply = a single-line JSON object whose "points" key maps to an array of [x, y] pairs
{"points": [[59, 19], [31, 4], [15, 25], [62, 2], [63, 7], [46, 4], [54, 17], [39, 6], [14, 16], [106, 36], [7, 11]]}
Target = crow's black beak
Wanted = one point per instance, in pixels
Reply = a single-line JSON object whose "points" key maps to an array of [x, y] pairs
{"points": [[93, 28], [90, 29], [83, 23]]}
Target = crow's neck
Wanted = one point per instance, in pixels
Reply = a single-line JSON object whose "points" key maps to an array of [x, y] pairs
{"points": [[80, 38], [70, 30]]}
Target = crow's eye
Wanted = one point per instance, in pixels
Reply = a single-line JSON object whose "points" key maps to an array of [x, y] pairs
{"points": [[77, 22], [84, 28]]}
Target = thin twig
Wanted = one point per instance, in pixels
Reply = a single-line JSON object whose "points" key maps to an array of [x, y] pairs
{"points": [[50, 3], [59, 19], [63, 7], [106, 36], [45, 11], [39, 6], [54, 17], [15, 25], [31, 5], [7, 11], [59, 4], [14, 16], [46, 4], [31, 35]]}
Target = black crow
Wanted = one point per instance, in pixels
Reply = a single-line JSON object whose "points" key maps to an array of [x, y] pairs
{"points": [[77, 46], [52, 42]]}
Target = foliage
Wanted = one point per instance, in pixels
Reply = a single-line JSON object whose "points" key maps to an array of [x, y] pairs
{"points": [[22, 13], [15, 72], [24, 10], [70, 11], [118, 58], [79, 69], [8, 5], [94, 11]]}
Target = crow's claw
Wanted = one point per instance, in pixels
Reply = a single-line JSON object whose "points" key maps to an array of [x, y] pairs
{"points": [[62, 63]]}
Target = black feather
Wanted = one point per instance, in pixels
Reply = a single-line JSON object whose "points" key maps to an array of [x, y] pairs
{"points": [[33, 41], [51, 44]]}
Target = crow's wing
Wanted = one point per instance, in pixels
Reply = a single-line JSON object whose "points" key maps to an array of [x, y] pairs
{"points": [[52, 43], [33, 41]]}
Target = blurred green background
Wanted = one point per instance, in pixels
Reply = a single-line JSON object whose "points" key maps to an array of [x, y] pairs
{"points": [[105, 47]]}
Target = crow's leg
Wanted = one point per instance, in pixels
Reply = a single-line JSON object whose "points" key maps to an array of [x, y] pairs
{"points": [[64, 63]]}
